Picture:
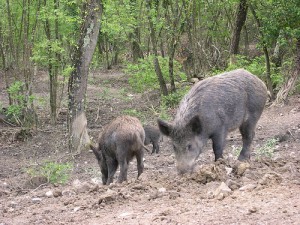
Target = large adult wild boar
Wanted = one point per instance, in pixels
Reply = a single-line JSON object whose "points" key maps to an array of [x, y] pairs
{"points": [[212, 108], [120, 141]]}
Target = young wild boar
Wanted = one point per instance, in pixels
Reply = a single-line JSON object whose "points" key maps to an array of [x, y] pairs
{"points": [[153, 136], [120, 141], [212, 108]]}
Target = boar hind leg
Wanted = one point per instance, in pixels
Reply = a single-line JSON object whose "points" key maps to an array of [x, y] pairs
{"points": [[112, 166], [247, 131], [140, 162], [123, 170], [218, 140]]}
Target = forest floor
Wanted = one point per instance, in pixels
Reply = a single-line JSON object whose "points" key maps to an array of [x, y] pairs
{"points": [[264, 191]]}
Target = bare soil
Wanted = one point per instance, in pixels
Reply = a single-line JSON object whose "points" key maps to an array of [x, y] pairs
{"points": [[264, 191]]}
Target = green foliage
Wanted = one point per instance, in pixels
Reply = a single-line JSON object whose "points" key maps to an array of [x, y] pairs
{"points": [[20, 102], [236, 150], [257, 67], [133, 112], [56, 173], [143, 76], [267, 150], [173, 99]]}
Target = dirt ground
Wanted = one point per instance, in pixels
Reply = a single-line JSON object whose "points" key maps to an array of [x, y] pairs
{"points": [[264, 191]]}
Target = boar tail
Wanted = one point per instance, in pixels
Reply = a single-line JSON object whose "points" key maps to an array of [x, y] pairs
{"points": [[95, 149]]}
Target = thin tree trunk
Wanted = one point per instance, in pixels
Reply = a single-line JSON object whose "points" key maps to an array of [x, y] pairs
{"points": [[266, 53], [159, 74], [77, 85], [241, 16]]}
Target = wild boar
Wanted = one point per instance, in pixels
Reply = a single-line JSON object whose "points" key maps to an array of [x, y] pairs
{"points": [[120, 141], [153, 136], [212, 108]]}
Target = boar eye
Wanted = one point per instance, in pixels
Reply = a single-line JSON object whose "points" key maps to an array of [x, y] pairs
{"points": [[189, 147]]}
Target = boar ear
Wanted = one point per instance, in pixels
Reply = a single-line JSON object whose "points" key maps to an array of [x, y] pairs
{"points": [[164, 127], [195, 124]]}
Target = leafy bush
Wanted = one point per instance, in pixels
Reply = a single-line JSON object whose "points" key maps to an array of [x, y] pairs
{"points": [[257, 67], [173, 99], [143, 76], [56, 173], [267, 150], [19, 102], [135, 113]]}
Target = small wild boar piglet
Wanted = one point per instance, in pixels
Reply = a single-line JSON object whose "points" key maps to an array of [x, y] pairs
{"points": [[153, 136], [212, 108], [120, 141]]}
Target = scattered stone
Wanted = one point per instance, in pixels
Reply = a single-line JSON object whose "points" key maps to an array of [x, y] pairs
{"points": [[108, 196], [194, 80], [3, 192], [220, 196], [138, 187], [12, 204], [233, 185], [210, 195], [174, 195], [125, 214], [68, 193], [36, 200], [253, 209], [162, 189], [248, 187], [96, 180], [241, 168], [228, 170], [270, 178], [49, 194], [222, 191], [76, 209], [57, 193]]}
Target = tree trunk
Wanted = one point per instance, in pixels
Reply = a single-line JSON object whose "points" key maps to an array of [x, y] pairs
{"points": [[267, 58], [278, 52], [239, 23], [161, 80], [137, 52], [77, 85]]}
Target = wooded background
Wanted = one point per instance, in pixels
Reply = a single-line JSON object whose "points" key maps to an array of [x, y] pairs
{"points": [[196, 38]]}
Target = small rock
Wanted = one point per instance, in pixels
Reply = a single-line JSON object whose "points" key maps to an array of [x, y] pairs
{"points": [[222, 191], [57, 193], [76, 209], [49, 194], [68, 193], [36, 200], [174, 195], [96, 180], [108, 196], [248, 187], [270, 178], [242, 167], [125, 214], [12, 204], [253, 209], [220, 196], [162, 189], [194, 80], [233, 185], [228, 170], [210, 195]]}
